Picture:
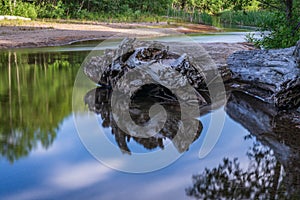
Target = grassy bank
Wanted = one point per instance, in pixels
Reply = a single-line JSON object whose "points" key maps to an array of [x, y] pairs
{"points": [[191, 17], [249, 18]]}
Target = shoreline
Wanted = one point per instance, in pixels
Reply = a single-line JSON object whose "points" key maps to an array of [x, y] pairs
{"points": [[29, 34]]}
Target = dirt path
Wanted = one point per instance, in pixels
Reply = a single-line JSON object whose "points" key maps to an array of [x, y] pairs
{"points": [[37, 34]]}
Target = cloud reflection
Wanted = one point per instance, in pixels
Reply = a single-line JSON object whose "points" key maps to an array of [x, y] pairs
{"points": [[80, 175]]}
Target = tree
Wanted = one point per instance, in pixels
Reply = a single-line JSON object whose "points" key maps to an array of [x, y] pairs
{"points": [[284, 29]]}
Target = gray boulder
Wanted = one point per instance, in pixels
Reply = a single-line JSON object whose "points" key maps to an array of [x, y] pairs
{"points": [[297, 53], [271, 75]]}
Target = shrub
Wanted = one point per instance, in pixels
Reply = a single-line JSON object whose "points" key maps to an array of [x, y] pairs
{"points": [[48, 10], [4, 9], [25, 10], [22, 9], [278, 34], [193, 17], [249, 18]]}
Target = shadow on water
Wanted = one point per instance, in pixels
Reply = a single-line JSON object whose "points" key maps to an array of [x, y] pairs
{"points": [[35, 97], [273, 172]]}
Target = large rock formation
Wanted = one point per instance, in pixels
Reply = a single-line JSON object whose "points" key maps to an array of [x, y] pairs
{"points": [[184, 64], [109, 67], [265, 103], [271, 75], [147, 62]]}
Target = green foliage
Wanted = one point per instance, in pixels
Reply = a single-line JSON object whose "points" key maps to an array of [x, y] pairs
{"points": [[215, 6], [25, 10], [284, 31], [193, 17], [279, 18], [247, 18], [20, 9], [206, 18], [5, 8], [278, 33], [49, 10]]}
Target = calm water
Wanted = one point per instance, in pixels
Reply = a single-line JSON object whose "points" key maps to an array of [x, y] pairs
{"points": [[42, 156]]}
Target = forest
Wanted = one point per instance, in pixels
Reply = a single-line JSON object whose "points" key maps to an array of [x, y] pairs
{"points": [[279, 18], [93, 9]]}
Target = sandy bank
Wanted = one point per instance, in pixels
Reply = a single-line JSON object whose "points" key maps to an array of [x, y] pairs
{"points": [[39, 34]]}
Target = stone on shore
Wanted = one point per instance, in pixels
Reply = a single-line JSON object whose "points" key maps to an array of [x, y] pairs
{"points": [[270, 75]]}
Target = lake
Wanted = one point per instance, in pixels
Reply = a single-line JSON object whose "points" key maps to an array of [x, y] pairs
{"points": [[256, 155]]}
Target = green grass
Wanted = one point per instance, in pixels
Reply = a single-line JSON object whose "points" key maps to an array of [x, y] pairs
{"points": [[191, 17], [119, 17], [27, 25], [249, 18]]}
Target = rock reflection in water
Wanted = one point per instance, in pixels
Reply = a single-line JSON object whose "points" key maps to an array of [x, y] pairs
{"points": [[99, 101], [274, 167]]}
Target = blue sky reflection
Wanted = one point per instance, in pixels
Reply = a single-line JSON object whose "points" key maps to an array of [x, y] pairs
{"points": [[67, 170]]}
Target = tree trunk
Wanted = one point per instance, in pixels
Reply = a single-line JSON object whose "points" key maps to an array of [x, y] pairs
{"points": [[289, 11], [10, 7]]}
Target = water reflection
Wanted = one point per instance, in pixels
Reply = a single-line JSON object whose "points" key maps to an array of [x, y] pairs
{"points": [[35, 97], [40, 101], [273, 172], [262, 180], [99, 101]]}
